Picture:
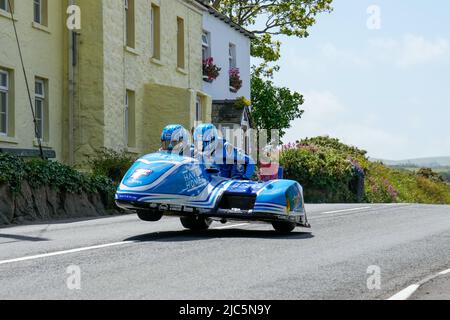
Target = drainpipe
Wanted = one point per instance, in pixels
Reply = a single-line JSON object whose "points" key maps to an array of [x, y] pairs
{"points": [[72, 63]]}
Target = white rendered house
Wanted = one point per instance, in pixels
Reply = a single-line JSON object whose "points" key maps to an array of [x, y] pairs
{"points": [[227, 45]]}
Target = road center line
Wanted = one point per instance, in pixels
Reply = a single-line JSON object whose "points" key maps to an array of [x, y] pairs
{"points": [[59, 253], [346, 210]]}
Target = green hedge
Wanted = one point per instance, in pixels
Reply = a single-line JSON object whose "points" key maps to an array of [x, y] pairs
{"points": [[14, 170]]}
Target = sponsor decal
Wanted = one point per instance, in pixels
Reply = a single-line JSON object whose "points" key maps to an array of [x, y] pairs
{"points": [[193, 177], [139, 173]]}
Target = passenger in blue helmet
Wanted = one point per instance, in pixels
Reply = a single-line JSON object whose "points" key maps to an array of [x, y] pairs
{"points": [[176, 139], [206, 139], [216, 152]]}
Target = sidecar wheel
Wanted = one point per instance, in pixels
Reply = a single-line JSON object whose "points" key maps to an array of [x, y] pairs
{"points": [[283, 227], [196, 223], [149, 215]]}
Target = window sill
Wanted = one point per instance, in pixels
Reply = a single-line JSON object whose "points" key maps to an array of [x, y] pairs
{"points": [[10, 140], [131, 50], [156, 61], [43, 144], [7, 15], [182, 71], [40, 27]]}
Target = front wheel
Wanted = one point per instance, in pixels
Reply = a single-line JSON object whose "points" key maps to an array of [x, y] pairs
{"points": [[149, 215], [283, 227], [196, 223]]}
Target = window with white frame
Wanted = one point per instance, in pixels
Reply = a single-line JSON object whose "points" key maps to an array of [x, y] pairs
{"points": [[39, 105], [4, 91], [37, 11], [40, 8], [232, 55], [4, 5], [206, 45]]}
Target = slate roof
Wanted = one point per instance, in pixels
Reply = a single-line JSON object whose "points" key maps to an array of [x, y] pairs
{"points": [[225, 19]]}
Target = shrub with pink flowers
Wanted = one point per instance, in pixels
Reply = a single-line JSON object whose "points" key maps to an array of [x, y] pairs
{"points": [[331, 171]]}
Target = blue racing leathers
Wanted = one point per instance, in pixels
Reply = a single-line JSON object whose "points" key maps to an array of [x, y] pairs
{"points": [[232, 162]]}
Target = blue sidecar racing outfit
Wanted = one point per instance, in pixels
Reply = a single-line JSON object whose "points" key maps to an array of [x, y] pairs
{"points": [[213, 184]]}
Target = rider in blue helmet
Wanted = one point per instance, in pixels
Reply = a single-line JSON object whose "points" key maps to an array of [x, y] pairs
{"points": [[206, 139], [216, 152], [177, 140]]}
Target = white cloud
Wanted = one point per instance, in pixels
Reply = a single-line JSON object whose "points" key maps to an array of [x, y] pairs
{"points": [[326, 114], [322, 104], [410, 50], [322, 109], [403, 52], [330, 52]]}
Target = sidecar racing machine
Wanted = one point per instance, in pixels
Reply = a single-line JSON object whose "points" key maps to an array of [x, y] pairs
{"points": [[168, 184]]}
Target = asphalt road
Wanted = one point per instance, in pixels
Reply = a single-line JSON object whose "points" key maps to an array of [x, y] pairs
{"points": [[139, 260]]}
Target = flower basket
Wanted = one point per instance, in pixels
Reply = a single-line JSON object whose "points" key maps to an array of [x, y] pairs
{"points": [[210, 70], [235, 80]]}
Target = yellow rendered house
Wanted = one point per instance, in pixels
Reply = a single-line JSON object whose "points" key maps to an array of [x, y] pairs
{"points": [[128, 69]]}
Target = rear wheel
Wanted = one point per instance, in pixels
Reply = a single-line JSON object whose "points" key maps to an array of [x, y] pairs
{"points": [[196, 223], [283, 227], [149, 215]]}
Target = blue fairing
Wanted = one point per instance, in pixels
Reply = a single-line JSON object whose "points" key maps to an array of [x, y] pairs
{"points": [[171, 180]]}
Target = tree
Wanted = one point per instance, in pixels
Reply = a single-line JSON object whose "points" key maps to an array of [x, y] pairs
{"points": [[274, 107], [270, 18]]}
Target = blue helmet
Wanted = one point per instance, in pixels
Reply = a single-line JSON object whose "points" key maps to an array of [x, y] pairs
{"points": [[175, 137], [206, 138]]}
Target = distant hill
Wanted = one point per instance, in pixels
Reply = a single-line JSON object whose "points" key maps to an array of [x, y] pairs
{"points": [[435, 162]]}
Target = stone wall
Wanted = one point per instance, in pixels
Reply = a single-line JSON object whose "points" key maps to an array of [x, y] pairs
{"points": [[45, 204]]}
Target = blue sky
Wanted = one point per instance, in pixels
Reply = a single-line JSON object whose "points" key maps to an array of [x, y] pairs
{"points": [[386, 91]]}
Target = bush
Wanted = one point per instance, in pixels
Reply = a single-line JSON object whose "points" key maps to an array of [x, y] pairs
{"points": [[397, 185], [328, 168], [323, 172], [111, 164], [11, 171], [428, 173], [445, 175], [39, 173]]}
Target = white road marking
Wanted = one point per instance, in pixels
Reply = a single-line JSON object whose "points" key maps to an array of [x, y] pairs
{"points": [[346, 210], [232, 226], [444, 272], [58, 253], [405, 294], [102, 246]]}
